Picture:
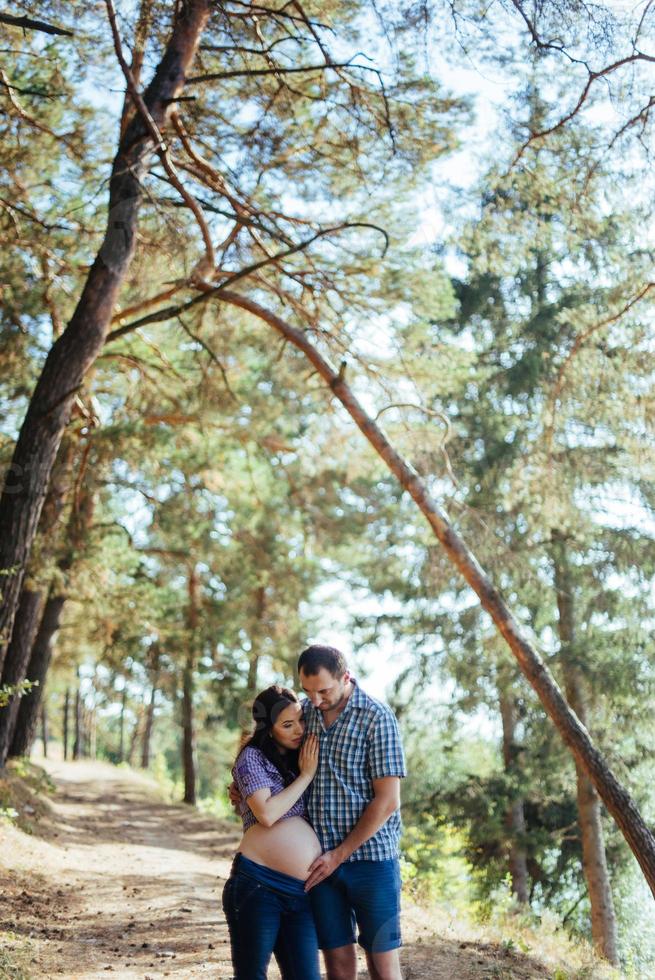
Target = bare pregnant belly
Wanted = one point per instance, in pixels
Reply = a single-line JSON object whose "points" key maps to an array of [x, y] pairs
{"points": [[288, 846]]}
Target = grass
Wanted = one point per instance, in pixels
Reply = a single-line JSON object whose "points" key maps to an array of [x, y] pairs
{"points": [[16, 957], [548, 942], [23, 788], [521, 939]]}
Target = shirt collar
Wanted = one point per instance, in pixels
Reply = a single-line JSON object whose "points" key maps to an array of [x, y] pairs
{"points": [[357, 699]]}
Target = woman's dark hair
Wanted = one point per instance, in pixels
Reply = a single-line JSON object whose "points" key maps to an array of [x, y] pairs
{"points": [[266, 709]]}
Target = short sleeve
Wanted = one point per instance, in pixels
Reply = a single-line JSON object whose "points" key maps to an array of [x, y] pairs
{"points": [[250, 772], [386, 756]]}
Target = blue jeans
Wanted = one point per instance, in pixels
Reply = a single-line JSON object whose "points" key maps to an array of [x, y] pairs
{"points": [[268, 912]]}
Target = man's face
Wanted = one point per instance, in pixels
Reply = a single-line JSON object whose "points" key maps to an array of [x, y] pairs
{"points": [[323, 690]]}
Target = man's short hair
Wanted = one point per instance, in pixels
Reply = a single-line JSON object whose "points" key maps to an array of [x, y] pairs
{"points": [[317, 657]]}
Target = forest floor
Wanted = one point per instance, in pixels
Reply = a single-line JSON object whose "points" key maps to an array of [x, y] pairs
{"points": [[100, 877]]}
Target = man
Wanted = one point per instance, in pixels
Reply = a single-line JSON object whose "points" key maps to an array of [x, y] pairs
{"points": [[354, 807]]}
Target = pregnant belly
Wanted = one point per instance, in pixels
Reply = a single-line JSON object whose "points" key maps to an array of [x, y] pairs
{"points": [[288, 846]]}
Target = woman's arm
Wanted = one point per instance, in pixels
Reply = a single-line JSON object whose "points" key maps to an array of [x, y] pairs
{"points": [[268, 809]]}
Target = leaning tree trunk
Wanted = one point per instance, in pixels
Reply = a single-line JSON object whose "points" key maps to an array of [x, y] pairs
{"points": [[28, 712], [617, 800], [27, 624], [515, 816], [594, 860], [74, 352]]}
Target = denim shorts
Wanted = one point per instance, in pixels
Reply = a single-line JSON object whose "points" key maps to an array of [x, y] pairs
{"points": [[362, 895]]}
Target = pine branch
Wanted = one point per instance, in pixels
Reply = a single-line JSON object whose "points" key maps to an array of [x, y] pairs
{"points": [[277, 70], [28, 24], [169, 312]]}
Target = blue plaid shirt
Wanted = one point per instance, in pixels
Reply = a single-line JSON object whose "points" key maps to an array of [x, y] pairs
{"points": [[363, 744]]}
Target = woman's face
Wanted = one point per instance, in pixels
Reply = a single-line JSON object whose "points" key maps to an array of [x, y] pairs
{"points": [[289, 728]]}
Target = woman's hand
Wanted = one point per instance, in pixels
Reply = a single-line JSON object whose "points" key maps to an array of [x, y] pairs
{"points": [[235, 797], [308, 756]]}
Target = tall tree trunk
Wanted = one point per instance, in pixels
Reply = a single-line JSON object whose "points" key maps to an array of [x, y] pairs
{"points": [[27, 624], [121, 728], [134, 739], [44, 729], [92, 733], [66, 722], [141, 32], [135, 736], [256, 640], [58, 490], [253, 667], [77, 741], [188, 721], [515, 817], [188, 733], [603, 918], [74, 352], [617, 800], [150, 711], [28, 712]]}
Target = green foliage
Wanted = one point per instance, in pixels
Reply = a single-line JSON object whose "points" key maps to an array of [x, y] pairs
{"points": [[8, 691], [434, 864]]}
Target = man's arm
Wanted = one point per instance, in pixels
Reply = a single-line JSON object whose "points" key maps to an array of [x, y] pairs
{"points": [[386, 800]]}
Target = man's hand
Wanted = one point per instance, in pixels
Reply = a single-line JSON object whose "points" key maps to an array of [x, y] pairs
{"points": [[235, 796], [323, 867]]}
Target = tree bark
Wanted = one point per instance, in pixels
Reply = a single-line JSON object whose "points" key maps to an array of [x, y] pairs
{"points": [[604, 929], [27, 624], [617, 800], [515, 817], [74, 352], [28, 712]]}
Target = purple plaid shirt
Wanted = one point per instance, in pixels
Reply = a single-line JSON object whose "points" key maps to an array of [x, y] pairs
{"points": [[253, 771]]}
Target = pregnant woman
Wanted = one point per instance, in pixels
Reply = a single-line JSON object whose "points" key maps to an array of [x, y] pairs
{"points": [[264, 900]]}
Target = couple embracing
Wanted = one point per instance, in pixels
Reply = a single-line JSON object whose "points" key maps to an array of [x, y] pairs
{"points": [[319, 793]]}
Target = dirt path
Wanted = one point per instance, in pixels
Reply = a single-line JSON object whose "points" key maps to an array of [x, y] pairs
{"points": [[114, 882]]}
